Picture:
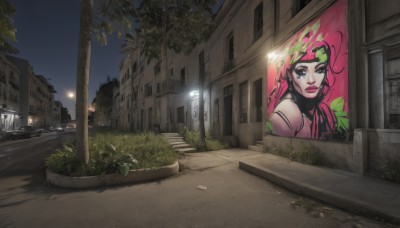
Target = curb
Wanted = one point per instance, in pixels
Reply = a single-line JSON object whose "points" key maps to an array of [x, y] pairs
{"points": [[133, 176], [325, 195]]}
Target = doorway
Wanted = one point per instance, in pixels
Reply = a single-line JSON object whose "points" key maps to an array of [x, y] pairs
{"points": [[228, 116]]}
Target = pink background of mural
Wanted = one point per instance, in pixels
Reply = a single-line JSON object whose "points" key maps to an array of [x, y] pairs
{"points": [[331, 21]]}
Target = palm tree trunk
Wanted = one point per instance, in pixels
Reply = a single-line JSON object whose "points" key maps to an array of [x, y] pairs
{"points": [[82, 81]]}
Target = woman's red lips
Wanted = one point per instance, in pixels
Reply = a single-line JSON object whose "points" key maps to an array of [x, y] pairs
{"points": [[311, 89]]}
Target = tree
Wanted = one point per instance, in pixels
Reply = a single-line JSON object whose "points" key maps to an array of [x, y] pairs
{"points": [[178, 25], [113, 16], [65, 116], [104, 101], [7, 29]]}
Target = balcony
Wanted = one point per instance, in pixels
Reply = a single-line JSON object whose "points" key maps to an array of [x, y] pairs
{"points": [[170, 86]]}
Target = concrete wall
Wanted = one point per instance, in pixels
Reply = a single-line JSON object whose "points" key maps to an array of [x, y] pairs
{"points": [[383, 144], [338, 155]]}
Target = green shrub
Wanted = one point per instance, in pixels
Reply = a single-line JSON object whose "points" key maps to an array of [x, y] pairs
{"points": [[112, 153], [193, 138], [63, 161], [390, 170]]}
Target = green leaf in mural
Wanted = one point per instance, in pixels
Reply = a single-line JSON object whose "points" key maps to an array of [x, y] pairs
{"points": [[340, 114], [342, 121], [337, 104], [269, 127]]}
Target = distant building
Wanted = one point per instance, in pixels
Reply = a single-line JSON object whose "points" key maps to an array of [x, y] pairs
{"points": [[36, 95], [10, 117], [56, 113]]}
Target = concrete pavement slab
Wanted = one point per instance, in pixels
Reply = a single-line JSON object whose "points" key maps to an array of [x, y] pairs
{"points": [[347, 190]]}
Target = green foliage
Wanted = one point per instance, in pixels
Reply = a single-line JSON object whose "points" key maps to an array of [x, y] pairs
{"points": [[179, 25], [115, 16], [114, 153], [193, 138], [63, 161], [7, 29], [342, 121], [390, 170], [269, 127], [306, 154], [104, 101]]}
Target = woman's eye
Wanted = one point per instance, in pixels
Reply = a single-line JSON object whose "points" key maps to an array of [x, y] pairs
{"points": [[320, 70], [300, 72]]}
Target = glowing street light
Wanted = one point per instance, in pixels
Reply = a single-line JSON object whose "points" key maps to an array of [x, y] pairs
{"points": [[70, 94]]}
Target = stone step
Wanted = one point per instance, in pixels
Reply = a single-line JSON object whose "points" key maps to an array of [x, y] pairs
{"points": [[174, 137], [255, 148], [177, 143], [175, 140], [186, 150], [259, 142], [181, 146], [172, 134]]}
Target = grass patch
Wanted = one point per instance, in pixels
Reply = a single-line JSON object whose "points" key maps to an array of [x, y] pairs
{"points": [[306, 154], [390, 170], [114, 153], [193, 138]]}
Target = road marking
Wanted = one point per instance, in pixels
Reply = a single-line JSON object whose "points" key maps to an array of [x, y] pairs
{"points": [[3, 155]]}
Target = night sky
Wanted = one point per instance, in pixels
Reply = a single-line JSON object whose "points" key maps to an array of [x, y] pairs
{"points": [[47, 36]]}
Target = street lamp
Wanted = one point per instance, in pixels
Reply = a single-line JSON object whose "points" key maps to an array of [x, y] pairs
{"points": [[70, 94]]}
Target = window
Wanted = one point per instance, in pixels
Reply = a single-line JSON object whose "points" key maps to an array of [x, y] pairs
{"points": [[258, 99], [258, 21], [216, 110], [171, 72], [158, 88], [148, 90], [229, 55], [201, 67], [180, 118], [299, 5], [150, 114], [393, 88], [183, 77], [243, 102], [134, 69], [157, 68]]}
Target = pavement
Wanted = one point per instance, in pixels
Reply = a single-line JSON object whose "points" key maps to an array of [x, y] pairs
{"points": [[347, 190], [211, 191]]}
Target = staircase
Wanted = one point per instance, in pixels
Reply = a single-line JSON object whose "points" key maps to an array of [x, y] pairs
{"points": [[258, 146], [178, 144]]}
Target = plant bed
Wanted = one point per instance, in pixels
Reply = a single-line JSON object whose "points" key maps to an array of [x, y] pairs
{"points": [[114, 158], [133, 176]]}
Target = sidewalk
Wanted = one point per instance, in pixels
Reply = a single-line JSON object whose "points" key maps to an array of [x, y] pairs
{"points": [[347, 190]]}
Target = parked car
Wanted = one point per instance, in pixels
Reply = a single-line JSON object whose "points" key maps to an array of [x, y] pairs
{"points": [[43, 130], [59, 128], [24, 132]]}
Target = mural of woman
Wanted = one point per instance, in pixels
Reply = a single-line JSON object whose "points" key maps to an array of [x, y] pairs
{"points": [[297, 103]]}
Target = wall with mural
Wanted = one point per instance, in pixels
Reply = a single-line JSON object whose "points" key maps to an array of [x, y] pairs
{"points": [[307, 80]]}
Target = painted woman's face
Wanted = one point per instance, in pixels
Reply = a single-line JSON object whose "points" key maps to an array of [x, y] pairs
{"points": [[307, 78]]}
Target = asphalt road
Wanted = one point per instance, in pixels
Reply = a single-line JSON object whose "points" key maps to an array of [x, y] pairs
{"points": [[233, 198]]}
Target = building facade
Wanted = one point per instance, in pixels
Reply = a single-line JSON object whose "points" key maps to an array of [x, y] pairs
{"points": [[10, 118], [36, 96], [291, 73]]}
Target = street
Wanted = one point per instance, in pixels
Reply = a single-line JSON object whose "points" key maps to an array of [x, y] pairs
{"points": [[232, 197]]}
